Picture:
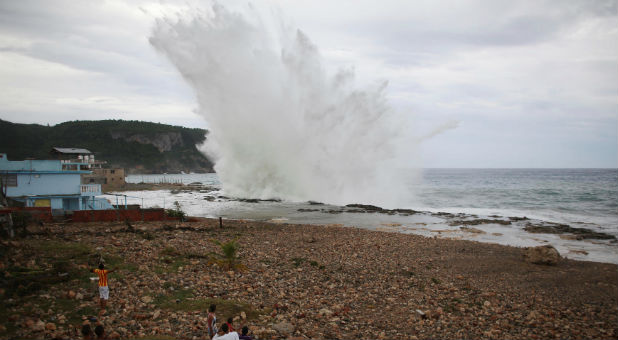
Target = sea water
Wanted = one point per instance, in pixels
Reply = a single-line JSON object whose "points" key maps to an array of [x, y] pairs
{"points": [[285, 124], [581, 198]]}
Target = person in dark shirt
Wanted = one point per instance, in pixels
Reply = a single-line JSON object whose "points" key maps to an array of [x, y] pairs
{"points": [[100, 332], [86, 332], [244, 335]]}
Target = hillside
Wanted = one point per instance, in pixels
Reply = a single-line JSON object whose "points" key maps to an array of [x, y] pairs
{"points": [[140, 147]]}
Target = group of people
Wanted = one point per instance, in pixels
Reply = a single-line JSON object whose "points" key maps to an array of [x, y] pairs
{"points": [[87, 333], [224, 332]]}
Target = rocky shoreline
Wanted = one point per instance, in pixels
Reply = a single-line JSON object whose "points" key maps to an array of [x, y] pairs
{"points": [[298, 281]]}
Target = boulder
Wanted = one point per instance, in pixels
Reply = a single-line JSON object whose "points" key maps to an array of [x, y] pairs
{"points": [[38, 326], [547, 255], [284, 328]]}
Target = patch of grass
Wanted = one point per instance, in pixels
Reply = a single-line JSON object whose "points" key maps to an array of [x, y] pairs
{"points": [[169, 251], [185, 300], [314, 263], [436, 281], [64, 250], [419, 285], [298, 261], [71, 310], [408, 273]]}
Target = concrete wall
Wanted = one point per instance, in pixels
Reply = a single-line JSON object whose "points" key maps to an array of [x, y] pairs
{"points": [[120, 215]]}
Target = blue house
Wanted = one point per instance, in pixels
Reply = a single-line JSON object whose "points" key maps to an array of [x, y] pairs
{"points": [[51, 183]]}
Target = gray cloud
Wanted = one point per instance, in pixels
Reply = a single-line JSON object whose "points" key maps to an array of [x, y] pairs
{"points": [[523, 77]]}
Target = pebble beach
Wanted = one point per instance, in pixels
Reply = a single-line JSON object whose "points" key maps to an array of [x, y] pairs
{"points": [[295, 282]]}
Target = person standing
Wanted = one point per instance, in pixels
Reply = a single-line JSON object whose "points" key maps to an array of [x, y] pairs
{"points": [[103, 287], [212, 321]]}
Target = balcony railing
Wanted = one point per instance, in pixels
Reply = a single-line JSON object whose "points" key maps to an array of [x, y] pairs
{"points": [[90, 189]]}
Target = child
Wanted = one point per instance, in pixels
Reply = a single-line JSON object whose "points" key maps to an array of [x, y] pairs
{"points": [[103, 288], [229, 324], [245, 334]]}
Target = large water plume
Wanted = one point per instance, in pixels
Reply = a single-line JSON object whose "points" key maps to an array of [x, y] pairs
{"points": [[281, 125]]}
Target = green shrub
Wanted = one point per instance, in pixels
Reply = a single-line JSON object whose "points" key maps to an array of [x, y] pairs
{"points": [[177, 212]]}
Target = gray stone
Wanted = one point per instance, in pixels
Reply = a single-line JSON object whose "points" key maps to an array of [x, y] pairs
{"points": [[547, 255], [285, 328]]}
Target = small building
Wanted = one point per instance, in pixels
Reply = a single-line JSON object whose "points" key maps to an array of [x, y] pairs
{"points": [[70, 157], [110, 179], [83, 159], [50, 183]]}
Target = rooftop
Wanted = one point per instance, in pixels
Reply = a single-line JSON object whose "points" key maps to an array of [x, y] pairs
{"points": [[71, 150]]}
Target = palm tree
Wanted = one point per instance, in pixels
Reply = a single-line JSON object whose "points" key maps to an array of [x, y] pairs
{"points": [[229, 258]]}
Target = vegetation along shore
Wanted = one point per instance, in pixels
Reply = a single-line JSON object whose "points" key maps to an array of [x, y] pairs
{"points": [[294, 281]]}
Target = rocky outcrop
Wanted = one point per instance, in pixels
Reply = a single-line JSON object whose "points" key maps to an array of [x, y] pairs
{"points": [[163, 141], [547, 255]]}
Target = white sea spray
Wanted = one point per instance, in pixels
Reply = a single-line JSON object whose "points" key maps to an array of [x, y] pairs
{"points": [[281, 125]]}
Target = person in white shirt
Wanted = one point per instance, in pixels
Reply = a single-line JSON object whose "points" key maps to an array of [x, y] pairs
{"points": [[225, 334]]}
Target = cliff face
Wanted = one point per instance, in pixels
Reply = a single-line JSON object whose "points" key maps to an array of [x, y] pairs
{"points": [[139, 147], [164, 141]]}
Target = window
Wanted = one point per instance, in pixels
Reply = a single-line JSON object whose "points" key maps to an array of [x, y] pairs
{"points": [[8, 180], [112, 171]]}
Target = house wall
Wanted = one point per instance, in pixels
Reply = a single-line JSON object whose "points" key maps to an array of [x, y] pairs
{"points": [[29, 165], [108, 178], [45, 184]]}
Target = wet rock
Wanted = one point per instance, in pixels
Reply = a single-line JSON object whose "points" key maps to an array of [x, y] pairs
{"points": [[556, 228], [472, 230], [547, 255], [366, 207], [479, 221]]}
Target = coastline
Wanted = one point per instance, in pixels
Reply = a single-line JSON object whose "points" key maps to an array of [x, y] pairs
{"points": [[308, 281]]}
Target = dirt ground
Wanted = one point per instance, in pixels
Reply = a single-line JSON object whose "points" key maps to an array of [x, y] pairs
{"points": [[294, 281]]}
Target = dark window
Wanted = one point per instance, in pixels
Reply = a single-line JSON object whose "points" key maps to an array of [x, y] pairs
{"points": [[9, 180], [112, 171]]}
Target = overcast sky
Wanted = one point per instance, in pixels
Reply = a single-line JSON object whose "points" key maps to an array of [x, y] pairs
{"points": [[523, 83]]}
